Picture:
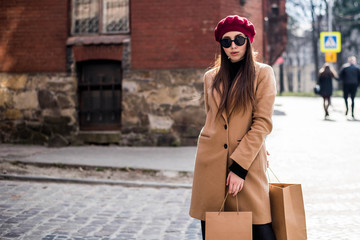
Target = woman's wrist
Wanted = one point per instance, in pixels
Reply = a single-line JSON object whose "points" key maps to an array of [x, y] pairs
{"points": [[238, 170]]}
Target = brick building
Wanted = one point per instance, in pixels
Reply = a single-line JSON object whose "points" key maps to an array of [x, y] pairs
{"points": [[116, 71]]}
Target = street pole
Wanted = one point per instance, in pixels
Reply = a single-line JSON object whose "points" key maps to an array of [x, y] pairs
{"points": [[281, 78], [330, 7], [315, 37]]}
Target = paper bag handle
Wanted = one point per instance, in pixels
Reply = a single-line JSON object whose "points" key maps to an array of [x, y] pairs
{"points": [[223, 204], [268, 175]]}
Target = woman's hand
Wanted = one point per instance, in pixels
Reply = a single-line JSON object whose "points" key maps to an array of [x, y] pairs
{"points": [[235, 183]]}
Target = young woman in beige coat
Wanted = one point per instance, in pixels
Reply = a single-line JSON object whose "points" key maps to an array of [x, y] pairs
{"points": [[231, 156]]}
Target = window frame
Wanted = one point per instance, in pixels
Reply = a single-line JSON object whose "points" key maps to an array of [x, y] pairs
{"points": [[101, 17], [86, 87]]}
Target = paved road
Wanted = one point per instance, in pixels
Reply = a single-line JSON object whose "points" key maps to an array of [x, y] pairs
{"points": [[322, 155]]}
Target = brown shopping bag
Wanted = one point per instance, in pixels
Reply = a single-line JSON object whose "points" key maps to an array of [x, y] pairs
{"points": [[228, 225], [287, 211]]}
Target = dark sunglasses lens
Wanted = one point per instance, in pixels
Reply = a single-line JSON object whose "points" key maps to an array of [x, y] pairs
{"points": [[226, 42], [239, 40]]}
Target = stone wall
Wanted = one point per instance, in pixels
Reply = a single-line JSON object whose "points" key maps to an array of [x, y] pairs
{"points": [[38, 108], [162, 107]]}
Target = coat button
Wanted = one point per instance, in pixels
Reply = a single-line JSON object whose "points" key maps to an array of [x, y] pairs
{"points": [[225, 126], [225, 146]]}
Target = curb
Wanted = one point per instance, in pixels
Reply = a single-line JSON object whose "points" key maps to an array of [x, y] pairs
{"points": [[56, 164], [92, 181]]}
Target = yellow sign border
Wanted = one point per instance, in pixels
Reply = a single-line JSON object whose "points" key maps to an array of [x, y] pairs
{"points": [[322, 41]]}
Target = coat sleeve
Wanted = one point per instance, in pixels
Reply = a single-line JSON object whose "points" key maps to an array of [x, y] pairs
{"points": [[261, 126], [341, 75]]}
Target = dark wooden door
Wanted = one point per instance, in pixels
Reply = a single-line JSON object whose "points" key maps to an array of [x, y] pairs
{"points": [[99, 94]]}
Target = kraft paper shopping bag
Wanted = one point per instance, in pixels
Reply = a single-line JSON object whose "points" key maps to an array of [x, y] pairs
{"points": [[228, 225], [287, 211]]}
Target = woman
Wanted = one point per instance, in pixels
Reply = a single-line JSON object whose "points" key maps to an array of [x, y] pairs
{"points": [[326, 74], [239, 97]]}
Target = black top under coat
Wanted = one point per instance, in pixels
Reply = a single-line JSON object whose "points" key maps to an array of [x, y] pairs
{"points": [[233, 70]]}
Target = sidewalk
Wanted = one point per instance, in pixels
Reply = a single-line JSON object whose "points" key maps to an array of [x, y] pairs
{"points": [[156, 158], [168, 161]]}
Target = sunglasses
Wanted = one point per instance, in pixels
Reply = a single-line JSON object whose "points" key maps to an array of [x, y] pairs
{"points": [[238, 40]]}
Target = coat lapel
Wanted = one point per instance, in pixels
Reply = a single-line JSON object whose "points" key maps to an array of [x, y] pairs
{"points": [[256, 77], [230, 112], [217, 97], [217, 100]]}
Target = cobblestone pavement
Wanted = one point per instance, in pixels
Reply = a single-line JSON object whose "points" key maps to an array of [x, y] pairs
{"points": [[322, 155], [47, 211]]}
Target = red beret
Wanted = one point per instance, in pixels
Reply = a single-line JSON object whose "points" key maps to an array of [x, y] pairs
{"points": [[234, 23]]}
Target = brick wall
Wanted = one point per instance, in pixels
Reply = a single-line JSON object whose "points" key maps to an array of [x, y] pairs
{"points": [[33, 35], [94, 52], [173, 33], [179, 33]]}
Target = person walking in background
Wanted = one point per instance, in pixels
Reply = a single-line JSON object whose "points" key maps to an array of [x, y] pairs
{"points": [[350, 77], [326, 74], [239, 96]]}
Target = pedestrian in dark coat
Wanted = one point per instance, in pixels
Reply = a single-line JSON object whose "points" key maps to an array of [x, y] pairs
{"points": [[231, 157], [350, 77], [326, 75]]}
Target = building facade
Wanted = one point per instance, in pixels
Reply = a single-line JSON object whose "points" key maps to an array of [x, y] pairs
{"points": [[116, 71]]}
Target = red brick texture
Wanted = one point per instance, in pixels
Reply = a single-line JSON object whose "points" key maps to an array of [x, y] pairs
{"points": [[173, 33], [33, 35], [94, 52], [179, 33]]}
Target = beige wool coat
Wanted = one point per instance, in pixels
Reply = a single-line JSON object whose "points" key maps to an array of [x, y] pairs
{"points": [[238, 137]]}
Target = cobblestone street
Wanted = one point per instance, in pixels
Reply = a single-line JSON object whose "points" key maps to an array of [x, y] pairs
{"points": [[322, 155], [71, 211]]}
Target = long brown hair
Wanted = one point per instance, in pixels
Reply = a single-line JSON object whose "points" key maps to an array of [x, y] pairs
{"points": [[240, 94]]}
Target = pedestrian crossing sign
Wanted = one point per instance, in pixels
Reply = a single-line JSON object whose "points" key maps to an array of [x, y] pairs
{"points": [[330, 42]]}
